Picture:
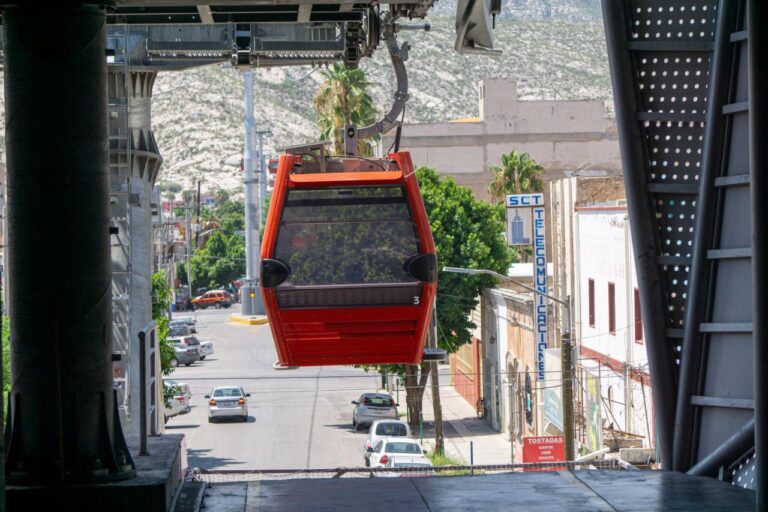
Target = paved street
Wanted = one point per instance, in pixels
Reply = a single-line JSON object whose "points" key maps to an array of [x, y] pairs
{"points": [[298, 418]]}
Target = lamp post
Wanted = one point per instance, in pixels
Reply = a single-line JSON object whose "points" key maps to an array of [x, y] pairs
{"points": [[566, 354]]}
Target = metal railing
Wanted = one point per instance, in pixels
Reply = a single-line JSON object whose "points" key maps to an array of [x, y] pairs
{"points": [[148, 385], [245, 475]]}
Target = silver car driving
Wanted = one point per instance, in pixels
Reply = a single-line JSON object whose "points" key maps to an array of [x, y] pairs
{"points": [[227, 402]]}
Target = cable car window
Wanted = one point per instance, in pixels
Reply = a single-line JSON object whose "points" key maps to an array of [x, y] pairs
{"points": [[346, 236]]}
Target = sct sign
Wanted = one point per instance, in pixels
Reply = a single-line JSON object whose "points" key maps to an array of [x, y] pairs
{"points": [[526, 226], [519, 217]]}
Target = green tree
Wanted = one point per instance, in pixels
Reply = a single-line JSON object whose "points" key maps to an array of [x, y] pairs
{"points": [[161, 299], [468, 233], [518, 174], [220, 261], [343, 99], [222, 197]]}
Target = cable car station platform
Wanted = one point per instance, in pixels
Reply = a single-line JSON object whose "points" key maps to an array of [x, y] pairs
{"points": [[572, 491]]}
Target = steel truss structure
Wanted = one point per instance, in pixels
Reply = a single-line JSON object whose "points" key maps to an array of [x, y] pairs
{"points": [[684, 84]]}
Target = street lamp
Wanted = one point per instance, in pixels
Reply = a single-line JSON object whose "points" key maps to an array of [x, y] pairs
{"points": [[566, 355]]}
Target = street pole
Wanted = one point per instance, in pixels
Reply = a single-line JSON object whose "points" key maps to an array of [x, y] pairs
{"points": [[436, 405], [189, 254], [262, 176], [566, 360], [251, 298]]}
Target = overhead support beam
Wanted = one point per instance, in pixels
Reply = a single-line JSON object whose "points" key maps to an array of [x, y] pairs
{"points": [[758, 163], [305, 13], [205, 14]]}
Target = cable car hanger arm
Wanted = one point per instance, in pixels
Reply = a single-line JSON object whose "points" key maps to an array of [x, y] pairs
{"points": [[398, 54]]}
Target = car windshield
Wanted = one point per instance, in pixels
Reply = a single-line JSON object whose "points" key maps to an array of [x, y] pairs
{"points": [[192, 341], [227, 393], [346, 236], [391, 430], [403, 447], [378, 401]]}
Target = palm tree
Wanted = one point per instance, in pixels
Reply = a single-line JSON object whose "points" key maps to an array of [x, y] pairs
{"points": [[518, 174], [343, 99]]}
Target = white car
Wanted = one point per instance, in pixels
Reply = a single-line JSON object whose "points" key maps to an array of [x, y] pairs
{"points": [[406, 469], [381, 429], [371, 407], [398, 449], [206, 348], [175, 402], [227, 402], [181, 387]]}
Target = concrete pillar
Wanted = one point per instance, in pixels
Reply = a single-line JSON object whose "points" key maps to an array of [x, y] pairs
{"points": [[62, 422], [135, 162]]}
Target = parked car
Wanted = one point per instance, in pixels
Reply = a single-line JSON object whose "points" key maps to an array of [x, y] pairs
{"points": [[399, 449], [179, 388], [190, 321], [184, 354], [227, 401], [194, 342], [381, 429], [371, 407], [206, 348], [215, 298], [178, 328], [175, 401], [406, 469]]}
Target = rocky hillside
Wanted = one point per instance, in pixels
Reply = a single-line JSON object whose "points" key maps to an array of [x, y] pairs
{"points": [[197, 114], [554, 48]]}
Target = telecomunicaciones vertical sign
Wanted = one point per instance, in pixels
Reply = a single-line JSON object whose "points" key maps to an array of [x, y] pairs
{"points": [[518, 205]]}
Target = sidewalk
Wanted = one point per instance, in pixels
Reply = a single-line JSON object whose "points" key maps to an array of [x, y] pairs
{"points": [[462, 426]]}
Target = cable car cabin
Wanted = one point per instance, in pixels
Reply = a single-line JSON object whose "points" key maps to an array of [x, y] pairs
{"points": [[348, 270]]}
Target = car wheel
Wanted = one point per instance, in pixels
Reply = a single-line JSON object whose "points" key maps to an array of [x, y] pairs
{"points": [[202, 358], [210, 420], [174, 363], [358, 426], [187, 364]]}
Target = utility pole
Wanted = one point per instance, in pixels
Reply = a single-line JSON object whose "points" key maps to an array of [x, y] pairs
{"points": [[251, 298], [568, 375], [262, 176], [197, 231], [437, 407], [189, 252]]}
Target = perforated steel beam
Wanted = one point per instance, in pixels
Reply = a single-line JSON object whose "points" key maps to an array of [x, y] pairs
{"points": [[758, 131]]}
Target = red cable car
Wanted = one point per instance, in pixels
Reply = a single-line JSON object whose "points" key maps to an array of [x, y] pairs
{"points": [[349, 269]]}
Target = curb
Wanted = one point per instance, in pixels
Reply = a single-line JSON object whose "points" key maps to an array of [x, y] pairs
{"points": [[248, 320]]}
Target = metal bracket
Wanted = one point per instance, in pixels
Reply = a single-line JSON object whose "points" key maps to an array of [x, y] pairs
{"points": [[399, 55]]}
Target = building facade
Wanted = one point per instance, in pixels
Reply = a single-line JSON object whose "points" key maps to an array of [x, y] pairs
{"points": [[562, 136]]}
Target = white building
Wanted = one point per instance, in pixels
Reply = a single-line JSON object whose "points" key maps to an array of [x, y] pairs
{"points": [[562, 136], [609, 328]]}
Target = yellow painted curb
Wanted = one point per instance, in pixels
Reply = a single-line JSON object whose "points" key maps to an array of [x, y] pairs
{"points": [[247, 320]]}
